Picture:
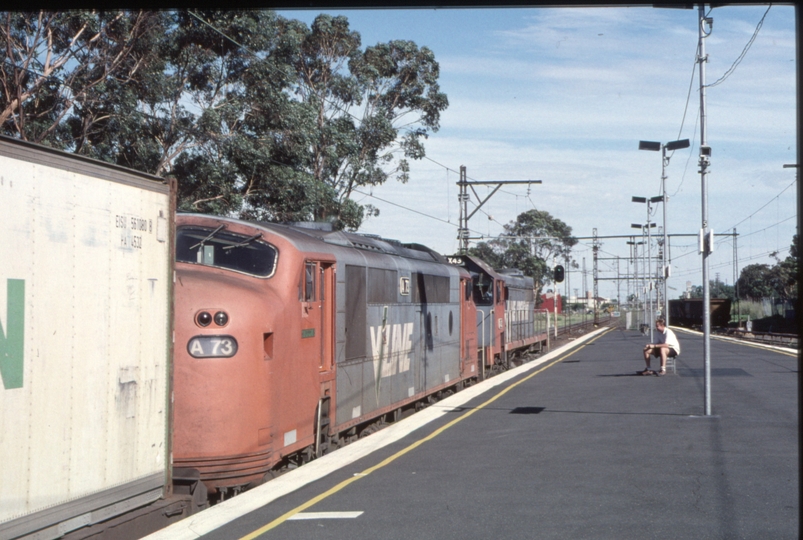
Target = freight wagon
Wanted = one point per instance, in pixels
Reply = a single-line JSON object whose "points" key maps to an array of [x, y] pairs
{"points": [[85, 342], [689, 312]]}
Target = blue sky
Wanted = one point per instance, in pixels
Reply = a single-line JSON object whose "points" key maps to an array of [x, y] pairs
{"points": [[563, 95]]}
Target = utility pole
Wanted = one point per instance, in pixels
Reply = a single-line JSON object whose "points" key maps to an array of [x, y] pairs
{"points": [[596, 288], [463, 198], [585, 284], [568, 280], [736, 280], [706, 240]]}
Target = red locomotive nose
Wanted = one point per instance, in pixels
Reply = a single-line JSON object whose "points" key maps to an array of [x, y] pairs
{"points": [[222, 406]]}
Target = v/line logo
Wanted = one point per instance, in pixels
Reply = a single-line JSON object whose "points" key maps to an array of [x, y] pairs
{"points": [[12, 342]]}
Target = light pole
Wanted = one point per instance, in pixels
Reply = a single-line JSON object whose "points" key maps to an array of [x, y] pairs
{"points": [[706, 240], [671, 146], [648, 271], [634, 257]]}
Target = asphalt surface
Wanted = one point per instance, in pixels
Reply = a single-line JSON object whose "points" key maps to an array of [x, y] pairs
{"points": [[577, 447]]}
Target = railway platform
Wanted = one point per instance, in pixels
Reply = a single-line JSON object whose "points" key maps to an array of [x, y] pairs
{"points": [[574, 444]]}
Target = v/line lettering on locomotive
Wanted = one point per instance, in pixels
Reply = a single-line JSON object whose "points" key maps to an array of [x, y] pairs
{"points": [[391, 347]]}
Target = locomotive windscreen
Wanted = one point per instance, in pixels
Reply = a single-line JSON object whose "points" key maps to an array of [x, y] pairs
{"points": [[216, 247]]}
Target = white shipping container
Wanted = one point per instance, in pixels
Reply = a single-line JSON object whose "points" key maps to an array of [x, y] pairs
{"points": [[85, 288]]}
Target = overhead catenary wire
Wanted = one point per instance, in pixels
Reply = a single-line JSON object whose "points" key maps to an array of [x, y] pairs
{"points": [[409, 209], [765, 205], [743, 53], [728, 263]]}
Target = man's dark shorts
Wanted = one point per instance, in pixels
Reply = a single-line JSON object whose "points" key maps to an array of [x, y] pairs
{"points": [[656, 352]]}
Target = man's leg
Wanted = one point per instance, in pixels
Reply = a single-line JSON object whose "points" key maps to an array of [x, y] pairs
{"points": [[664, 352]]}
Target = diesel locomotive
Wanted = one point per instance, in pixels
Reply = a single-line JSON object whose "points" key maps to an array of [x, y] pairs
{"points": [[293, 339]]}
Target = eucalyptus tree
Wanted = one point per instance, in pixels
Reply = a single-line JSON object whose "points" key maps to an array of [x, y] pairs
{"points": [[365, 112], [255, 115], [311, 118], [71, 79]]}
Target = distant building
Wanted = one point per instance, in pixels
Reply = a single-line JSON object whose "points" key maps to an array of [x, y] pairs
{"points": [[589, 302], [548, 302]]}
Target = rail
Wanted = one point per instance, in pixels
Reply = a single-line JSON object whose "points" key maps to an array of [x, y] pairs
{"points": [[584, 326], [769, 338]]}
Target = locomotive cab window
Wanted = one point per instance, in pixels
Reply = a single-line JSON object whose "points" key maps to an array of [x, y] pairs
{"points": [[309, 281], [483, 291], [221, 249]]}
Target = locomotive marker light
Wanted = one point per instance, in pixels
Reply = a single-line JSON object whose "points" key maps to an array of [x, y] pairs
{"points": [[203, 319], [221, 318]]}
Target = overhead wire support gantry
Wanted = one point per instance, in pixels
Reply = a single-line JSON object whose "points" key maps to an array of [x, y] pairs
{"points": [[463, 198]]}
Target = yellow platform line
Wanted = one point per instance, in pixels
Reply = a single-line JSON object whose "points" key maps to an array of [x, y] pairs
{"points": [[281, 519]]}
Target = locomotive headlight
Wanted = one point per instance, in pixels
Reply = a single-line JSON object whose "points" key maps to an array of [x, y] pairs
{"points": [[203, 318], [221, 318]]}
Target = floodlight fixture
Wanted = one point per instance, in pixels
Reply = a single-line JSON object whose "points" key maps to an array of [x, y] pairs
{"points": [[639, 199], [649, 145], [659, 198], [676, 145]]}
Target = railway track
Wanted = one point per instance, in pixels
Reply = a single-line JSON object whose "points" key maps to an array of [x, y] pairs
{"points": [[767, 338]]}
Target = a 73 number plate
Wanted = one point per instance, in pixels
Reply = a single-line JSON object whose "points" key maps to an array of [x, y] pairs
{"points": [[212, 347]]}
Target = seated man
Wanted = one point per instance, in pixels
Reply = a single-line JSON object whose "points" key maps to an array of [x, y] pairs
{"points": [[665, 346]]}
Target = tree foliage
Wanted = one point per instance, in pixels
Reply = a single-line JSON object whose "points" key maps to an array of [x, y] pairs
{"points": [[256, 116], [355, 102], [73, 80], [717, 289], [757, 281]]}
